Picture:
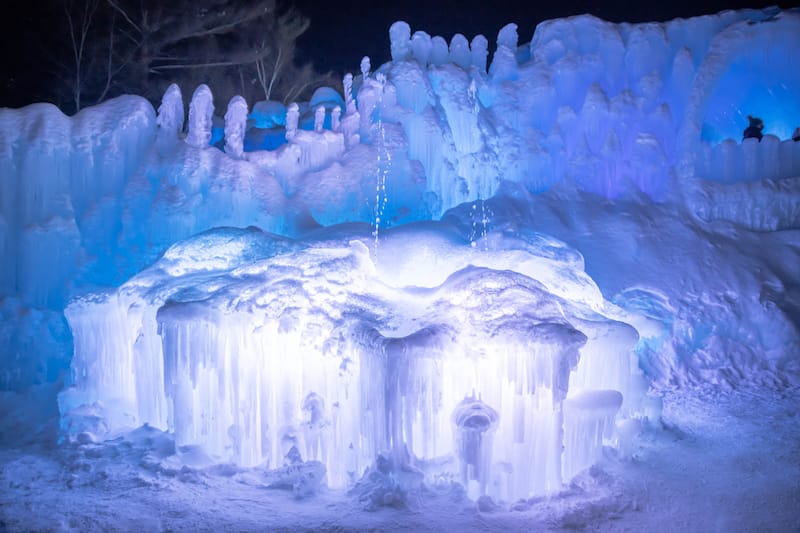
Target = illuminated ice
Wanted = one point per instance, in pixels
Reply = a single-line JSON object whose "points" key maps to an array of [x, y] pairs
{"points": [[475, 348], [252, 345]]}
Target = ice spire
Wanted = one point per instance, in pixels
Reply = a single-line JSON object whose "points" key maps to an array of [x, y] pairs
{"points": [[335, 117]]}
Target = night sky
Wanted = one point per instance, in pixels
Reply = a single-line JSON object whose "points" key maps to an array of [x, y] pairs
{"points": [[343, 31]]}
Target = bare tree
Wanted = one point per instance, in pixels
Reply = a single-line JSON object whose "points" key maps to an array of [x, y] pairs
{"points": [[141, 46]]}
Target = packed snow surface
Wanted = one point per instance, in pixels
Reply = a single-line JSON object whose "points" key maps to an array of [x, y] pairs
{"points": [[549, 289]]}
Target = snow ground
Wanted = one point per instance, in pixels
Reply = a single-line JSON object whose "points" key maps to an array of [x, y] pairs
{"points": [[720, 461]]}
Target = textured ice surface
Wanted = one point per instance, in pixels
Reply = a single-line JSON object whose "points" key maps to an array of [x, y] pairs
{"points": [[251, 346]]}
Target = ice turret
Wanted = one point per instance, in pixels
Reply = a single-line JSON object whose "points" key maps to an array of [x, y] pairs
{"points": [[201, 112]]}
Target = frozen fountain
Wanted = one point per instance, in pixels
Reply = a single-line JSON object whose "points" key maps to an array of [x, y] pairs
{"points": [[267, 351]]}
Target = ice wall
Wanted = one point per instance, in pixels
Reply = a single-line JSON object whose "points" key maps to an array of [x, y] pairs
{"points": [[252, 345], [608, 108]]}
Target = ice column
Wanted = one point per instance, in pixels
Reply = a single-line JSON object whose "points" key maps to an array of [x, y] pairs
{"points": [[480, 50], [352, 118], [400, 39], [459, 51], [365, 67], [201, 111], [235, 124], [349, 103], [504, 63], [335, 118], [439, 52], [170, 114], [421, 47], [319, 118], [292, 117]]}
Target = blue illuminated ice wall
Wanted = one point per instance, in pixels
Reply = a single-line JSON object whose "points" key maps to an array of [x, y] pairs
{"points": [[608, 108]]}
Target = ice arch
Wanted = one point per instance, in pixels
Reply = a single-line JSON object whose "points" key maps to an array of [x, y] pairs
{"points": [[744, 72]]}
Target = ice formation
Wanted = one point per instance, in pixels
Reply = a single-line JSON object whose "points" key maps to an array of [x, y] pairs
{"points": [[464, 343], [201, 111], [384, 355]]}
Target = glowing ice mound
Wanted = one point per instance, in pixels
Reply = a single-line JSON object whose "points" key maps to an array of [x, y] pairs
{"points": [[450, 358]]}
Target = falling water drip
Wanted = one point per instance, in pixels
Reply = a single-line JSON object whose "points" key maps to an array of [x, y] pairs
{"points": [[480, 224], [384, 164]]}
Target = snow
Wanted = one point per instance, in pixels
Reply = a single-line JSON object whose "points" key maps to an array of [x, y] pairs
{"points": [[562, 294]]}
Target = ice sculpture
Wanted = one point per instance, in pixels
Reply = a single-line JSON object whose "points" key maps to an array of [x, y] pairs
{"points": [[615, 110], [251, 345], [201, 111], [336, 114]]}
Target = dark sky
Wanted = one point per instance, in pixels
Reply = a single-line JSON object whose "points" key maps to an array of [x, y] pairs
{"points": [[341, 31], [344, 31]]}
